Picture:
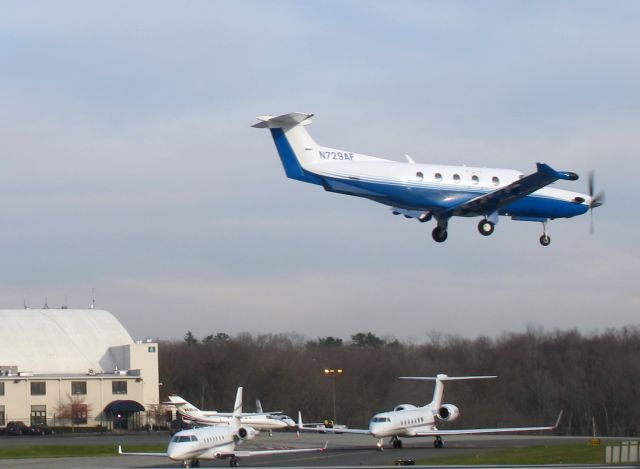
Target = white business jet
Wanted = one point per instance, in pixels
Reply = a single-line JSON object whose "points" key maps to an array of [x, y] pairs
{"points": [[258, 421], [407, 420], [427, 191], [215, 442]]}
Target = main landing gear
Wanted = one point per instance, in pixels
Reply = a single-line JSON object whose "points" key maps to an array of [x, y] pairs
{"points": [[438, 443], [191, 463], [485, 227], [439, 233], [233, 461]]}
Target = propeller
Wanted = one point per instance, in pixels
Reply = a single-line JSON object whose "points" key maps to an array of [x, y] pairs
{"points": [[596, 200]]}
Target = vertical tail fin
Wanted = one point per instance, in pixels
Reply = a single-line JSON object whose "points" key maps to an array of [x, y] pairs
{"points": [[184, 408], [295, 146], [237, 407], [438, 391]]}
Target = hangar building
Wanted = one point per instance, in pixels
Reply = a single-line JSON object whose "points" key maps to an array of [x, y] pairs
{"points": [[75, 367]]}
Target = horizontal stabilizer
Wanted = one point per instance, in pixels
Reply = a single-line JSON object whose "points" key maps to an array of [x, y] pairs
{"points": [[286, 120], [446, 378]]}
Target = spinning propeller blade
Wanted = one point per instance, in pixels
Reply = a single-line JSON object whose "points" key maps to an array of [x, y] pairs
{"points": [[596, 201]]}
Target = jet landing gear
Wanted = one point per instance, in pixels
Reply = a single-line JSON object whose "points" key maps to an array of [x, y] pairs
{"points": [[485, 227], [545, 240], [439, 233], [191, 463], [233, 461], [396, 442], [438, 443], [380, 445]]}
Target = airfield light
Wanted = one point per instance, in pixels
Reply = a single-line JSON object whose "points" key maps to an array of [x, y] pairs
{"points": [[333, 372]]}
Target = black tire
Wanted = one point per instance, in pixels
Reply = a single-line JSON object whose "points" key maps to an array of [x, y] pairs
{"points": [[439, 235], [485, 227], [545, 240]]}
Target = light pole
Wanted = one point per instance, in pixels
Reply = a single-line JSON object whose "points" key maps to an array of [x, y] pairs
{"points": [[333, 372]]}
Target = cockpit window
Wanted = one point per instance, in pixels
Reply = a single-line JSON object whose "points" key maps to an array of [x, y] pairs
{"points": [[184, 438], [381, 419]]}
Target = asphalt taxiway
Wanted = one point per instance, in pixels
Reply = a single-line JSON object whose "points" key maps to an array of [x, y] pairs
{"points": [[343, 450]]}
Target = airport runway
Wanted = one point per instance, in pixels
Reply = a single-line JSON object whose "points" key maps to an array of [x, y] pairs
{"points": [[343, 451]]}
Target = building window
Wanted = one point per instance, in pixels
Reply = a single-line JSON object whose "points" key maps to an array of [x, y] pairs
{"points": [[152, 349], [2, 420], [38, 388], [118, 387], [1, 388], [79, 414], [78, 387], [38, 414]]}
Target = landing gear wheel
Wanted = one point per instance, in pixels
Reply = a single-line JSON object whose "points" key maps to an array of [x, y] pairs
{"points": [[233, 462], [396, 442], [439, 235], [485, 227], [438, 443], [545, 240], [379, 449]]}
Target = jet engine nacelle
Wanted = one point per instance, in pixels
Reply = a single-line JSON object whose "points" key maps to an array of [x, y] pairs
{"points": [[246, 433], [404, 407], [448, 412]]}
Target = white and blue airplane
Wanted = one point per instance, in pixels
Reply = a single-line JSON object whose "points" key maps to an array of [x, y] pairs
{"points": [[407, 420], [216, 442], [427, 191]]}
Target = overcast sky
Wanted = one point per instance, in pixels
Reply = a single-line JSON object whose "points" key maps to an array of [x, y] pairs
{"points": [[129, 165]]}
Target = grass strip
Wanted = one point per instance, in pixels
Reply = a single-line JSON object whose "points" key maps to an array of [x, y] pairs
{"points": [[547, 454], [72, 451]]}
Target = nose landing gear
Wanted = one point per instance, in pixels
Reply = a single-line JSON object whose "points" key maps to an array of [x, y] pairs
{"points": [[485, 227]]}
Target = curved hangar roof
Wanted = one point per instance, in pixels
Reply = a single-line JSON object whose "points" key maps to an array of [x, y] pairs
{"points": [[52, 341]]}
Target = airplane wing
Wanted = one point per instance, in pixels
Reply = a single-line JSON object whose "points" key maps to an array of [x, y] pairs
{"points": [[165, 455], [334, 430], [477, 431], [493, 201], [302, 427], [266, 452]]}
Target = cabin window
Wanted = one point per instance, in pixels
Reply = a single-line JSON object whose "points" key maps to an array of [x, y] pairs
{"points": [[438, 177], [475, 179], [420, 176], [456, 178], [495, 180]]}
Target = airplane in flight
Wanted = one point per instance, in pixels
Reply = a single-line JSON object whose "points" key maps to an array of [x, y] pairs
{"points": [[407, 420], [216, 442], [428, 191], [258, 421]]}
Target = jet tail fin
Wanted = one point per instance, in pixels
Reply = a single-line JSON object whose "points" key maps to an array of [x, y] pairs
{"points": [[440, 379], [237, 407]]}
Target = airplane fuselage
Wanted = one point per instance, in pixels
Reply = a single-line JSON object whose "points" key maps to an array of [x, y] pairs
{"points": [[404, 423], [200, 443], [425, 187]]}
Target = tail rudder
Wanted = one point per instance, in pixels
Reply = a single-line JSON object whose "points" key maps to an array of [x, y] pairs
{"points": [[237, 407], [438, 391], [185, 408], [295, 146]]}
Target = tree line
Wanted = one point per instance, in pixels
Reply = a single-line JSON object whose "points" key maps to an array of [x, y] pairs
{"points": [[589, 377]]}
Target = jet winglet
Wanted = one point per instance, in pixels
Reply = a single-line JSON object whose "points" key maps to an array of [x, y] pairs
{"points": [[565, 175], [558, 420], [285, 120]]}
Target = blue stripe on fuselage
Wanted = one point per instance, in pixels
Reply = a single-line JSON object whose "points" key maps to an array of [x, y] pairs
{"points": [[430, 198], [292, 167]]}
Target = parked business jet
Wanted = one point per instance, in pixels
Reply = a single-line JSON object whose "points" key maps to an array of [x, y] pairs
{"points": [[407, 420], [426, 191], [258, 421], [215, 442]]}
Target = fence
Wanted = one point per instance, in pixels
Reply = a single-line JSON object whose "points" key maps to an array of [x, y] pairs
{"points": [[625, 452]]}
